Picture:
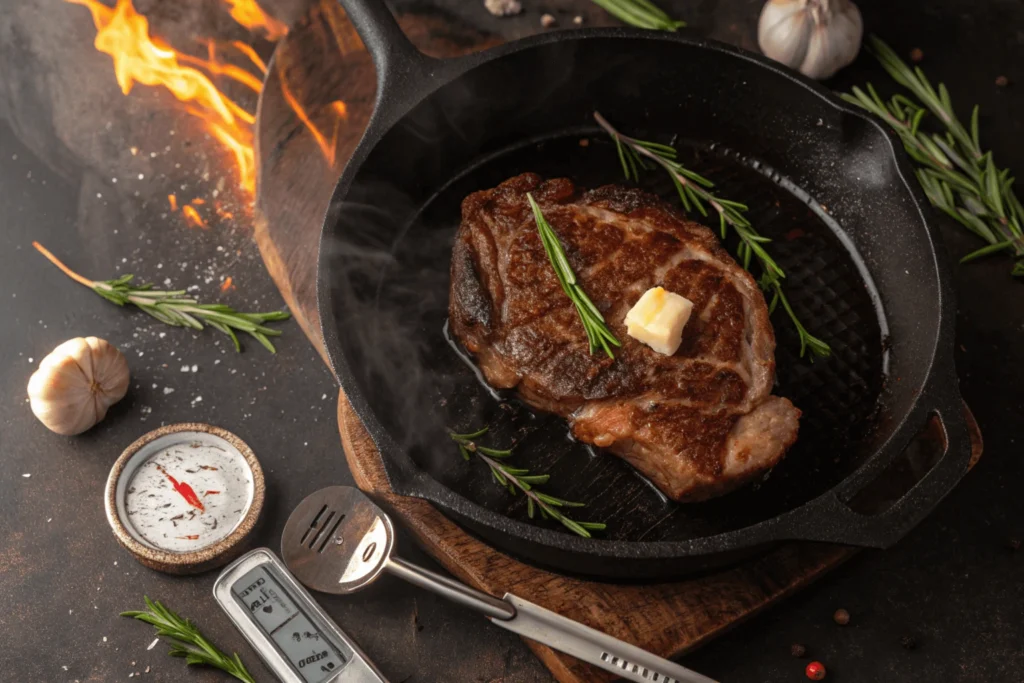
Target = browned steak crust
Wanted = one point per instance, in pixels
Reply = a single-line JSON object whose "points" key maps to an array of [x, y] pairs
{"points": [[700, 422]]}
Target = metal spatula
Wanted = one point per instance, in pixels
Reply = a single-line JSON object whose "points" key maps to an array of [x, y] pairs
{"points": [[338, 541]]}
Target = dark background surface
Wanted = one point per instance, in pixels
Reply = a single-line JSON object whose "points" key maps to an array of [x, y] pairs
{"points": [[953, 584]]}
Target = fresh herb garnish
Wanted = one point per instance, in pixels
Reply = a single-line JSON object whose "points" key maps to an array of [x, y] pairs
{"points": [[188, 642], [513, 478], [957, 177], [177, 309], [694, 192], [640, 13], [598, 334]]}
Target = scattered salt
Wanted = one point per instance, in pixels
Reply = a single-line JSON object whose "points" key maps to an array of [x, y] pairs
{"points": [[195, 368], [153, 644], [168, 390], [26, 475], [184, 368]]}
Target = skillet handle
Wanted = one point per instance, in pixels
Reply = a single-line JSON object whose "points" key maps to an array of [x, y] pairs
{"points": [[885, 528], [401, 67]]}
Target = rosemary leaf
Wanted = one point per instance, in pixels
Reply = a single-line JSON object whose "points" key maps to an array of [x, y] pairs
{"points": [[175, 308], [957, 177], [513, 478], [640, 13], [695, 192], [187, 641], [598, 334]]}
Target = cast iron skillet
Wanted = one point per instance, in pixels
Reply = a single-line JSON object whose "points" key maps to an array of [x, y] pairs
{"points": [[849, 224]]}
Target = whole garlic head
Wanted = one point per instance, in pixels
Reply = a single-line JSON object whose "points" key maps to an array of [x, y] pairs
{"points": [[76, 384], [815, 37]]}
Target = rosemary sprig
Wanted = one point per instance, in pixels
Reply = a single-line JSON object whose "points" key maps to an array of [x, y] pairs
{"points": [[957, 177], [640, 13], [694, 191], [513, 478], [177, 309], [598, 334], [187, 641]]}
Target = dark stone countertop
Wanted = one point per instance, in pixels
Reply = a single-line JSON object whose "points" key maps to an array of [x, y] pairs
{"points": [[953, 584]]}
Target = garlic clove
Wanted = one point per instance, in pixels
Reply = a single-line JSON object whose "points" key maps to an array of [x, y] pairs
{"points": [[833, 45], [76, 384], [783, 31]]}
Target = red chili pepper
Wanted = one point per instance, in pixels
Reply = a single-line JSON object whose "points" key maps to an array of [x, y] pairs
{"points": [[190, 537], [185, 490], [210, 493], [815, 671]]}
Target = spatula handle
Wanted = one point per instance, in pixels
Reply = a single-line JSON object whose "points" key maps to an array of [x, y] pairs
{"points": [[593, 647], [454, 590]]}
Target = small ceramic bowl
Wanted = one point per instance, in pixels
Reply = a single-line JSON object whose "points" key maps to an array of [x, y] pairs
{"points": [[185, 498]]}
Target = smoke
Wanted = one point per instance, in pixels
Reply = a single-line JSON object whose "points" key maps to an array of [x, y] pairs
{"points": [[389, 285]]}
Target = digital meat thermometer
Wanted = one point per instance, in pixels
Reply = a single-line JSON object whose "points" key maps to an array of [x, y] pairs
{"points": [[295, 638]]}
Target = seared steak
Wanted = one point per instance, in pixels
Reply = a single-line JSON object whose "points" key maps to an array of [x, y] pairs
{"points": [[698, 423]]}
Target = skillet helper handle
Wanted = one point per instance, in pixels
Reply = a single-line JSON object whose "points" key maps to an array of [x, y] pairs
{"points": [[885, 528], [593, 647]]}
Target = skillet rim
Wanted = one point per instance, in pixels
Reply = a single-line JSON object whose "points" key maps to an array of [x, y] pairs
{"points": [[939, 367]]}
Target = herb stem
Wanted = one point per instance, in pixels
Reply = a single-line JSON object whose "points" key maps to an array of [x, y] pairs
{"points": [[175, 308], [956, 175], [640, 13], [187, 642], [513, 478], [64, 269], [694, 191], [598, 333]]}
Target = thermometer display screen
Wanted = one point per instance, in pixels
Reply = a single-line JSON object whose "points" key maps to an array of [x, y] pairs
{"points": [[314, 656]]}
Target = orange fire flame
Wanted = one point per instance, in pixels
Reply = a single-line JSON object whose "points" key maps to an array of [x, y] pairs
{"points": [[248, 14], [192, 217], [123, 33], [326, 144]]}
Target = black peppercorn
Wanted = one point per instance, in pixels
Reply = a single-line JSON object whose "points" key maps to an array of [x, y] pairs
{"points": [[908, 642], [797, 650]]}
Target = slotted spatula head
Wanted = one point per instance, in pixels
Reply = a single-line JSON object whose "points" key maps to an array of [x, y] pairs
{"points": [[337, 540]]}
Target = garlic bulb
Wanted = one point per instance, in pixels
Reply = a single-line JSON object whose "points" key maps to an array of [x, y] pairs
{"points": [[815, 37], [76, 383]]}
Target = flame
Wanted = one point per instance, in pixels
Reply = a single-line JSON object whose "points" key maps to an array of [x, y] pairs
{"points": [[340, 110], [248, 14], [123, 34], [192, 217]]}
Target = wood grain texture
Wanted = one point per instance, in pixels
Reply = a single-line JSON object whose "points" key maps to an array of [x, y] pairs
{"points": [[321, 61]]}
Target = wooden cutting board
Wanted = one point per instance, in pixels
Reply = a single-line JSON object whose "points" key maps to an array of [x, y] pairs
{"points": [[300, 151]]}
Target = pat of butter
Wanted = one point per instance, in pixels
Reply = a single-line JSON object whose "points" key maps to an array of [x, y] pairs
{"points": [[658, 319]]}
